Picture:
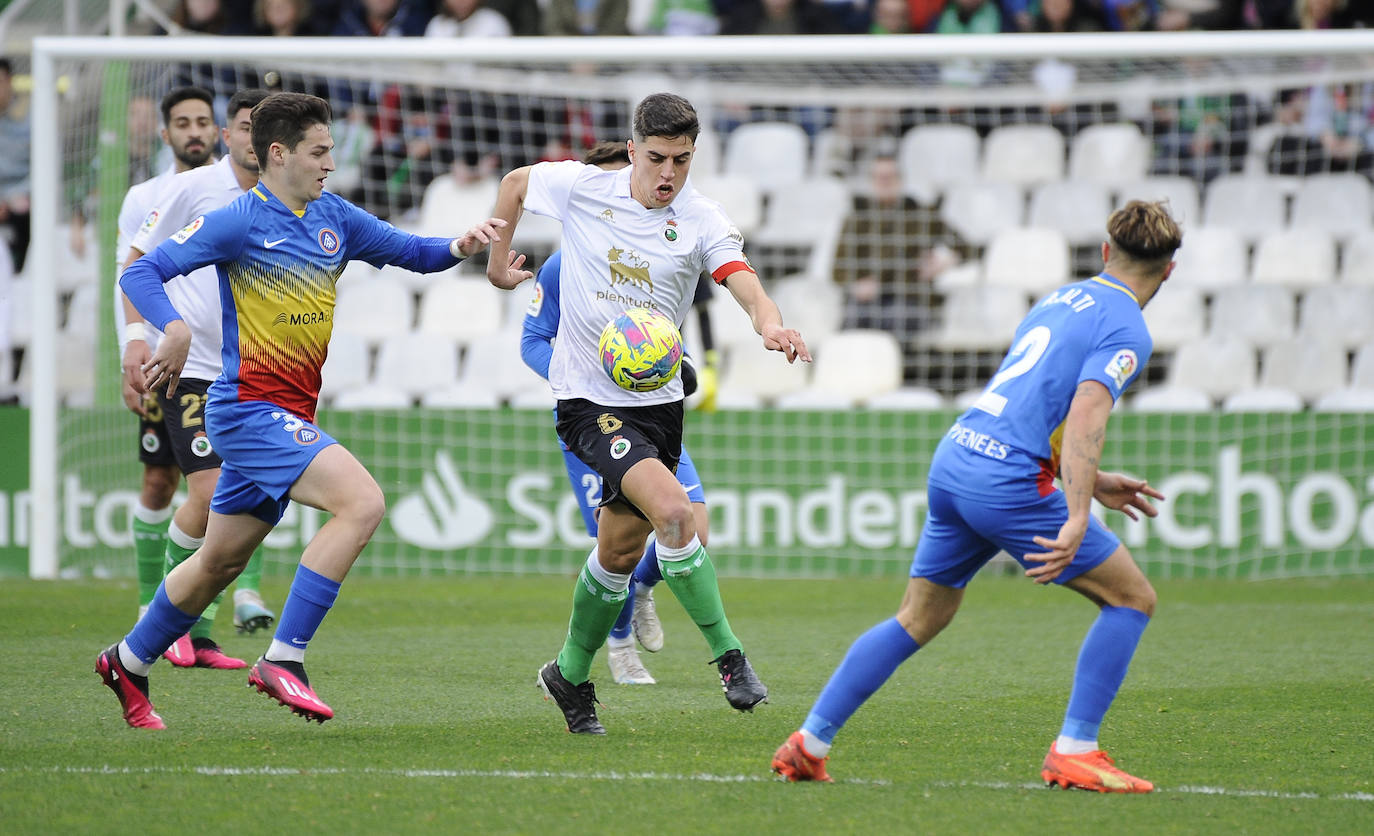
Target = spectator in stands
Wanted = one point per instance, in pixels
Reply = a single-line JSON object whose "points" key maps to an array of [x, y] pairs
{"points": [[208, 17], [849, 17], [14, 168], [1336, 131], [1332, 14], [773, 17], [890, 251], [587, 17], [891, 17], [969, 17], [1064, 16], [382, 18], [924, 12], [467, 19], [683, 17], [1180, 15], [1200, 136], [1129, 15], [283, 18], [524, 15]]}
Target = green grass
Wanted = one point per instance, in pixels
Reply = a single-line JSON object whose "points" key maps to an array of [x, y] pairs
{"points": [[1264, 692]]}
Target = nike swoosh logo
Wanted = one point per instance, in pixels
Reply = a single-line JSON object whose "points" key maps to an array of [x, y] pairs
{"points": [[299, 642], [270, 244], [690, 488]]}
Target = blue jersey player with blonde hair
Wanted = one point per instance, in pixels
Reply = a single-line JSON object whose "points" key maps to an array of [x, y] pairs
{"points": [[278, 251], [991, 488]]}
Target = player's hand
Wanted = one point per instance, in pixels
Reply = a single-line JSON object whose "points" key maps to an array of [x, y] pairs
{"points": [[512, 274], [132, 387], [164, 367], [787, 340], [1058, 553], [1122, 493], [479, 237]]}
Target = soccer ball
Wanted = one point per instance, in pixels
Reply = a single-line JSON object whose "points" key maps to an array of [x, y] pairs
{"points": [[641, 350]]}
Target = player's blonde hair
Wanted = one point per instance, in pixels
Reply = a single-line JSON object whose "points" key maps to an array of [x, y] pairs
{"points": [[1146, 233]]}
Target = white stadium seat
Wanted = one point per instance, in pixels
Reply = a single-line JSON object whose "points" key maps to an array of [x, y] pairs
{"points": [[1023, 154], [1217, 366], [1308, 367], [1362, 371], [1337, 313], [759, 374], [1176, 315], [1296, 257], [461, 308], [1181, 193], [801, 214], [1110, 154], [1034, 259], [1258, 314], [448, 207], [772, 154], [857, 364], [347, 366], [813, 306], [1253, 206], [373, 310], [1076, 208], [979, 318], [1357, 260], [1346, 400], [1339, 204], [1172, 399], [934, 157], [978, 211], [372, 396], [908, 399], [1262, 400], [493, 362], [739, 195], [416, 362], [1210, 258]]}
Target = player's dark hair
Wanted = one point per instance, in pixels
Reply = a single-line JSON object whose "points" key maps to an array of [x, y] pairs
{"points": [[1145, 232], [607, 152], [248, 98], [284, 118], [177, 95], [667, 115]]}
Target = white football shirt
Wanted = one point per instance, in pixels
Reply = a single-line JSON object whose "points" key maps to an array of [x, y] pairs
{"points": [[184, 198], [617, 255], [138, 202]]}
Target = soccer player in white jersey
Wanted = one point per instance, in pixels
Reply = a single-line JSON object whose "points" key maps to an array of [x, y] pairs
{"points": [[991, 487], [180, 200], [637, 237], [189, 131], [278, 251]]}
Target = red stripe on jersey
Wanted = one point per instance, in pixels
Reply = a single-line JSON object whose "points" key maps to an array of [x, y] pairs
{"points": [[1044, 481], [723, 272]]}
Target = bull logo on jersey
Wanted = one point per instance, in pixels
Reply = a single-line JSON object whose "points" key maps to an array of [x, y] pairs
{"points": [[329, 241], [607, 215], [628, 268]]}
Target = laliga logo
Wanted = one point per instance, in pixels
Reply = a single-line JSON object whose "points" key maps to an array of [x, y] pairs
{"points": [[444, 515]]}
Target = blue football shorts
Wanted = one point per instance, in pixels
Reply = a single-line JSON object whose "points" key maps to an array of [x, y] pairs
{"points": [[265, 450], [961, 534], [586, 484]]}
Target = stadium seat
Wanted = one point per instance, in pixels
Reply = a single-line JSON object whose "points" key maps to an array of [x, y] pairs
{"points": [[1262, 400], [1034, 259], [514, 304], [1110, 154], [1176, 315], [936, 156], [801, 214], [411, 280], [81, 311], [1023, 154], [813, 306], [1346, 400], [706, 156], [857, 364], [1309, 367], [978, 211], [908, 399], [460, 309], [740, 196], [1338, 313], [355, 272], [979, 318], [493, 362], [1076, 208], [1339, 204], [1297, 257], [1252, 206], [415, 362], [1362, 371], [1171, 399], [1181, 193], [760, 374], [460, 396], [21, 312], [817, 399], [373, 310], [347, 366], [1211, 258], [772, 154], [537, 233], [76, 271], [1218, 366], [372, 396], [1357, 260], [448, 208], [1258, 314], [964, 400]]}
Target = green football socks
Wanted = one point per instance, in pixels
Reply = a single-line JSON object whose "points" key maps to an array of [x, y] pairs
{"points": [[179, 547], [251, 576], [691, 576], [150, 538], [595, 608]]}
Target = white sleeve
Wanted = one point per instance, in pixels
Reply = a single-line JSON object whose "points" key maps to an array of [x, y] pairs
{"points": [[166, 216], [130, 215], [550, 187], [722, 245]]}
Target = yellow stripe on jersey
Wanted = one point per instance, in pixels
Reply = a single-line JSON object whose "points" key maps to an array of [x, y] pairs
{"points": [[1119, 286]]}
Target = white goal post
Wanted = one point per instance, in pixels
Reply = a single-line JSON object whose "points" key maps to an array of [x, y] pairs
{"points": [[700, 68]]}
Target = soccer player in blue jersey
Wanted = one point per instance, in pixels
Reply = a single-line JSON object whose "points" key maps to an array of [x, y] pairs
{"points": [[536, 348], [278, 251], [991, 488]]}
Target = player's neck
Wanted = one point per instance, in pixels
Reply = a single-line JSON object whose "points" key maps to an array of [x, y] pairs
{"points": [[281, 191], [245, 178]]}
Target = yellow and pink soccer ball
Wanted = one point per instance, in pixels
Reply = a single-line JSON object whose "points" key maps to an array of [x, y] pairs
{"points": [[641, 350]]}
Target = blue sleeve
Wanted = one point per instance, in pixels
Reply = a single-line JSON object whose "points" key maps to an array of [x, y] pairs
{"points": [[142, 282], [541, 319], [379, 244], [536, 351]]}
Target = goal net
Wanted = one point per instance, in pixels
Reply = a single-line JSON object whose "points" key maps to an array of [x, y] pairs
{"points": [[1005, 154]]}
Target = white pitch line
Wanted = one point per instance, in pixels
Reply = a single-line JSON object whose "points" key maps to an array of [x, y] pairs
{"points": [[699, 777]]}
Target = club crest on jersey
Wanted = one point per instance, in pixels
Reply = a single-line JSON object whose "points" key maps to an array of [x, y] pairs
{"points": [[1122, 366], [607, 215], [670, 231], [329, 241], [200, 446], [305, 436], [620, 446], [183, 234], [151, 443]]}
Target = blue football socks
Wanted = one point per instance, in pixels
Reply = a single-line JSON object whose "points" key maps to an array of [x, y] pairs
{"points": [[311, 596], [870, 661], [647, 572], [1102, 663], [161, 625], [621, 628]]}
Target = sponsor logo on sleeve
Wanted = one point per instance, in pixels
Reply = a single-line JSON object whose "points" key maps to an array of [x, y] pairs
{"points": [[184, 234], [536, 301], [150, 220], [1122, 366]]}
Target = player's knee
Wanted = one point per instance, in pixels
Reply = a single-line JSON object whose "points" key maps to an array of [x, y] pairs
{"points": [[1142, 598], [674, 523], [366, 508], [159, 485]]}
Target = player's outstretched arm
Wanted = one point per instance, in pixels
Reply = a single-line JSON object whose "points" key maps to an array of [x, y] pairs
{"points": [[504, 265], [1085, 430], [764, 314]]}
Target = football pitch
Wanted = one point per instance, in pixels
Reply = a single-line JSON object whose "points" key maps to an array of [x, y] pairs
{"points": [[1250, 705]]}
